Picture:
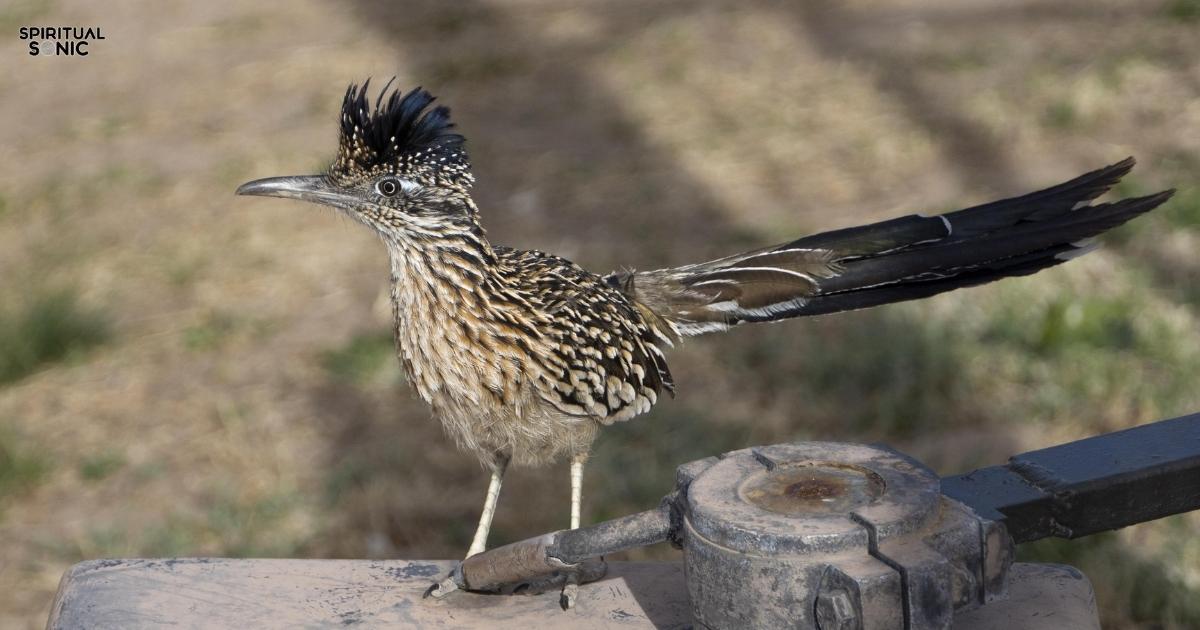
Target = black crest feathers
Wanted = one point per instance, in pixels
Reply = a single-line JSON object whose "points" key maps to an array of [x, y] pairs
{"points": [[401, 133]]}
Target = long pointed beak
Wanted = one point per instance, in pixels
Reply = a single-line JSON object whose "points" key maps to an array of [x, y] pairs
{"points": [[311, 188]]}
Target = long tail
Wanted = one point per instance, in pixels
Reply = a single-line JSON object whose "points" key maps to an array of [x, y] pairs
{"points": [[902, 259]]}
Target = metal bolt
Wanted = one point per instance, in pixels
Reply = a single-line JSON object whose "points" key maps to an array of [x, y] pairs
{"points": [[835, 611]]}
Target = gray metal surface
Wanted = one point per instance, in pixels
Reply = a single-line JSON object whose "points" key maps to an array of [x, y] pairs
{"points": [[1092, 485], [811, 534], [224, 593], [833, 536]]}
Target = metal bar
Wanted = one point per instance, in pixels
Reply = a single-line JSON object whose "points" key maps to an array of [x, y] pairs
{"points": [[534, 557], [619, 534], [1092, 485]]}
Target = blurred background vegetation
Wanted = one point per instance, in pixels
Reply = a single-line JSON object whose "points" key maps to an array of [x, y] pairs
{"points": [[186, 373]]}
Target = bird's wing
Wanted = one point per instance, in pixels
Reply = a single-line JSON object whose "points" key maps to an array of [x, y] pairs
{"points": [[902, 259], [600, 353]]}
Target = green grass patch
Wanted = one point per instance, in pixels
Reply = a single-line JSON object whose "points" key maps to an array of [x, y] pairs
{"points": [[961, 60], [1066, 323], [102, 465], [18, 13], [210, 333], [1129, 186], [148, 471], [1061, 115], [891, 373], [247, 527], [1183, 210], [22, 467], [174, 537], [64, 199], [236, 171], [181, 273], [1130, 588], [1080, 354], [171, 539], [637, 460], [1123, 235], [344, 476], [51, 327], [364, 358], [229, 526], [1183, 10]]}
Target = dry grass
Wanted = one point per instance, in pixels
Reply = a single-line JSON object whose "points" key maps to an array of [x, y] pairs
{"points": [[234, 393]]}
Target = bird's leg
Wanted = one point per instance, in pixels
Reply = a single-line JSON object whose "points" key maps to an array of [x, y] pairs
{"points": [[576, 489], [479, 543], [570, 589]]}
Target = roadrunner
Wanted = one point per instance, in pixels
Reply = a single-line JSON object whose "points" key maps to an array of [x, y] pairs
{"points": [[523, 356]]}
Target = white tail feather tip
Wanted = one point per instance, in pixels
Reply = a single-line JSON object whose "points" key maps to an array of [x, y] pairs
{"points": [[1081, 247]]}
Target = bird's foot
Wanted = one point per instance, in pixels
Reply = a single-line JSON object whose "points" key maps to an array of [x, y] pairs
{"points": [[449, 584], [570, 590], [565, 581], [582, 573]]}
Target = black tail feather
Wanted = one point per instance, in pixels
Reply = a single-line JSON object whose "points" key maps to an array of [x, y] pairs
{"points": [[917, 289], [953, 256], [1038, 206], [903, 232], [891, 261]]}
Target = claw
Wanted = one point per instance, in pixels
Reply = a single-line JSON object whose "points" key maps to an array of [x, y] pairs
{"points": [[568, 596], [570, 591], [449, 584], [441, 589]]}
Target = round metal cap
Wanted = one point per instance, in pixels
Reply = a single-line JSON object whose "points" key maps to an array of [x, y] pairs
{"points": [[809, 497]]}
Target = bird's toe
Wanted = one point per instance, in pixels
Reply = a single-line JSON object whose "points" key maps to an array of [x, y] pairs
{"points": [[447, 585], [438, 590], [570, 592]]}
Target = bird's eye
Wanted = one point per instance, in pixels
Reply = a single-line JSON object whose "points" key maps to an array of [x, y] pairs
{"points": [[388, 187]]}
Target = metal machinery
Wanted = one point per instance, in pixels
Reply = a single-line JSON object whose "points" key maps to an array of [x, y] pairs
{"points": [[844, 536], [808, 535]]}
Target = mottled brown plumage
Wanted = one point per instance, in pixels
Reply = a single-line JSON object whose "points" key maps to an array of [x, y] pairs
{"points": [[519, 353], [523, 356]]}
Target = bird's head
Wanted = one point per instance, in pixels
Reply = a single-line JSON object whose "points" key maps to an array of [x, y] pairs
{"points": [[400, 169]]}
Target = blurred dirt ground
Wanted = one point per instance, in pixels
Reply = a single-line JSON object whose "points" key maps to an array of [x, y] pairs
{"points": [[186, 373]]}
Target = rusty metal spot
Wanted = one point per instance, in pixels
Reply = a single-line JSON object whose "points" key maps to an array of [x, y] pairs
{"points": [[812, 488]]}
